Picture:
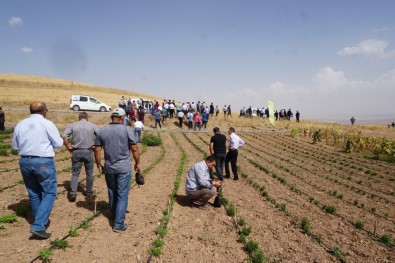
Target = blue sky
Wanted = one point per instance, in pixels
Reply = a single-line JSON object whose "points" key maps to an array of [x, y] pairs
{"points": [[323, 58]]}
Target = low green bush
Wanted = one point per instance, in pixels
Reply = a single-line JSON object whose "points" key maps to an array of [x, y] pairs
{"points": [[151, 140]]}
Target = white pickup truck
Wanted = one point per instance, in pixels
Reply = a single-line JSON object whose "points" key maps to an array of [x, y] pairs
{"points": [[83, 102]]}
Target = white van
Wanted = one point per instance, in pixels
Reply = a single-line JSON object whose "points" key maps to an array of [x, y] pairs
{"points": [[83, 102]]}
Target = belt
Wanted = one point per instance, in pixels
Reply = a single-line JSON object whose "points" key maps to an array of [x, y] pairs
{"points": [[90, 148], [32, 156], [233, 149]]}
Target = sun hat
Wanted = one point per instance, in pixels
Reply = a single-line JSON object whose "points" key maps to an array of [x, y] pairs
{"points": [[118, 112]]}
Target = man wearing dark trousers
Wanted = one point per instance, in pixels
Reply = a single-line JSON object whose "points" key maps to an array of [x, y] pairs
{"points": [[234, 143], [218, 149], [83, 134]]}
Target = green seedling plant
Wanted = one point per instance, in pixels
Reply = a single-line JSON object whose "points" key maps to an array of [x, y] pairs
{"points": [[330, 209], [231, 210], [386, 240], [73, 232], [156, 247], [45, 255], [161, 231], [60, 244], [359, 224], [305, 225], [8, 219], [241, 221], [246, 231]]}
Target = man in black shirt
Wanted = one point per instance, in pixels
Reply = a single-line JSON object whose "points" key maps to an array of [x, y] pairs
{"points": [[218, 148]]}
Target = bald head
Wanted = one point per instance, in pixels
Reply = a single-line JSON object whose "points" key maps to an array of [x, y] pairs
{"points": [[38, 107]]}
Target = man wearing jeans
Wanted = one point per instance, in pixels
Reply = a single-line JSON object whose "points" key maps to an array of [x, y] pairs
{"points": [[83, 135], [118, 141], [35, 139], [218, 148]]}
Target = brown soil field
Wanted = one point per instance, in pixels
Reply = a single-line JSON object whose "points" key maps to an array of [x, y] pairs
{"points": [[286, 189]]}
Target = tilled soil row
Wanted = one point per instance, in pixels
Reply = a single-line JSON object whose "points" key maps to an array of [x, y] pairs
{"points": [[382, 168], [335, 232], [196, 235], [345, 209], [101, 244], [63, 217], [278, 238], [315, 177]]}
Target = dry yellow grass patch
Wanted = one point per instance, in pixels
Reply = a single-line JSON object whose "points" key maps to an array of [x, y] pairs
{"points": [[18, 91]]}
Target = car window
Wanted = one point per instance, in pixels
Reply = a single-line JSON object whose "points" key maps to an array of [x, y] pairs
{"points": [[83, 98], [93, 100]]}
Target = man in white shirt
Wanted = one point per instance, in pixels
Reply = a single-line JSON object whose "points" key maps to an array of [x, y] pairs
{"points": [[35, 139], [234, 143]]}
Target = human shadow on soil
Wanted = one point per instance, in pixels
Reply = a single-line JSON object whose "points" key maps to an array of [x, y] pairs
{"points": [[183, 200], [22, 209], [101, 206]]}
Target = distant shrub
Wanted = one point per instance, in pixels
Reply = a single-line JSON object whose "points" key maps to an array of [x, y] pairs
{"points": [[386, 240], [305, 225], [359, 224], [330, 209], [151, 140]]}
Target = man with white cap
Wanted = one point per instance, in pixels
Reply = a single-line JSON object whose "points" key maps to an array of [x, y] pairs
{"points": [[118, 141]]}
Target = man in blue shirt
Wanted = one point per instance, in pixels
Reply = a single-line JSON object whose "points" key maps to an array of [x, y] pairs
{"points": [[118, 142], [35, 139], [199, 186]]}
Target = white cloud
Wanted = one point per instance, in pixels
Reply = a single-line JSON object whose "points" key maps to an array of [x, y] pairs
{"points": [[15, 21], [328, 80], [369, 47], [26, 50]]}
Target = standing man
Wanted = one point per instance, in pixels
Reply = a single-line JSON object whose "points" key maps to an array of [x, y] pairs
{"points": [[199, 187], [35, 139], [297, 116], [218, 149], [234, 143], [157, 116], [180, 116], [83, 134], [2, 119], [118, 141]]}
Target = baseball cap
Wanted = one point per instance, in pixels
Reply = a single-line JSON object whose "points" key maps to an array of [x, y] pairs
{"points": [[118, 112]]}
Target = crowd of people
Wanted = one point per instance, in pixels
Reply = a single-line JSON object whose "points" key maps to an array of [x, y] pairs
{"points": [[35, 139]]}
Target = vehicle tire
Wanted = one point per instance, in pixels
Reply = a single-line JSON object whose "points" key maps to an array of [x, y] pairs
{"points": [[76, 108], [102, 109]]}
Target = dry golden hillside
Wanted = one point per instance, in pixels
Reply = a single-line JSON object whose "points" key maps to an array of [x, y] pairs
{"points": [[18, 91]]}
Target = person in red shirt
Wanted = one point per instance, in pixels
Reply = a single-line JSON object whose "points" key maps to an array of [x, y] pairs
{"points": [[197, 121]]}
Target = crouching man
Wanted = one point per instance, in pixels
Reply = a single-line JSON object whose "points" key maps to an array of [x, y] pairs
{"points": [[199, 187]]}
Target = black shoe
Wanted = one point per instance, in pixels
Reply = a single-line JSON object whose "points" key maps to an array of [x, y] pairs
{"points": [[120, 230], [227, 176], [236, 178], [41, 234], [72, 198], [90, 194]]}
